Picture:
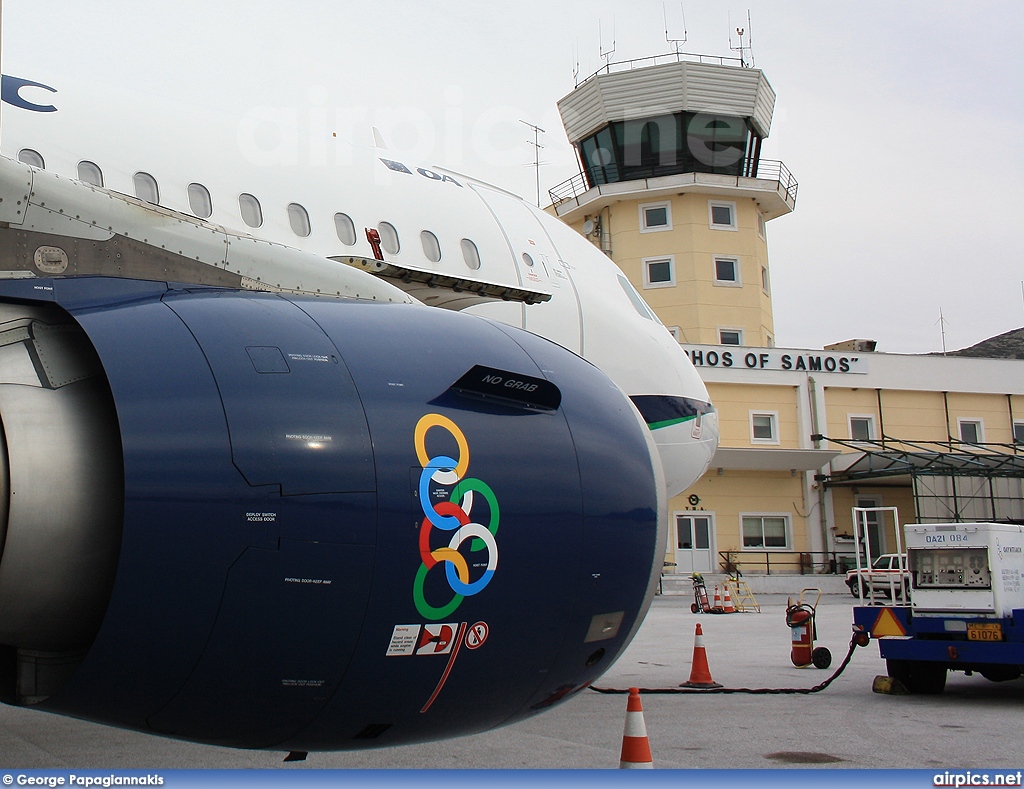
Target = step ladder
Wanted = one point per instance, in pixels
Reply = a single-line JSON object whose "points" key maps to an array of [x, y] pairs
{"points": [[742, 597]]}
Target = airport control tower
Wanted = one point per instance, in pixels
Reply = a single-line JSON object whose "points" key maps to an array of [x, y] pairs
{"points": [[673, 188]]}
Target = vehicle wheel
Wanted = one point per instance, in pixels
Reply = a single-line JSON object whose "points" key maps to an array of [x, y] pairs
{"points": [[693, 608], [853, 588], [865, 589], [821, 657], [919, 677]]}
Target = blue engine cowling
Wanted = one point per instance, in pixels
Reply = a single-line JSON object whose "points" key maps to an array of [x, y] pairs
{"points": [[308, 523]]}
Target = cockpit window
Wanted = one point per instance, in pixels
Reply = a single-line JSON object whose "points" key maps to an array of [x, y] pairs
{"points": [[249, 208], [199, 201], [635, 299], [389, 238], [471, 254], [90, 173], [345, 228], [431, 246], [299, 220], [146, 188], [30, 157]]}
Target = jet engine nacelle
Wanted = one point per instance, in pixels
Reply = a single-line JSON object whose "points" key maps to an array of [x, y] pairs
{"points": [[272, 521]]}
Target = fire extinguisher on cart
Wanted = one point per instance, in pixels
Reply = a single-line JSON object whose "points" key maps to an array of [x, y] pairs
{"points": [[800, 618]]}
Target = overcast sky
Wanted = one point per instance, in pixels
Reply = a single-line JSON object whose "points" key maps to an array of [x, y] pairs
{"points": [[903, 122]]}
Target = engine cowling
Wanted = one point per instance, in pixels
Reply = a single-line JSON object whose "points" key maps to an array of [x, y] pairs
{"points": [[273, 521]]}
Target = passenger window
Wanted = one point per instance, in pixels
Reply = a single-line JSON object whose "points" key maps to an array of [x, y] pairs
{"points": [[249, 207], [90, 173], [471, 254], [431, 246], [345, 228], [299, 220], [199, 201], [389, 238], [146, 188], [30, 157]]}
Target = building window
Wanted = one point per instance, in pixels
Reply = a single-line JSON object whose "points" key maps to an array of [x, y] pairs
{"points": [[764, 427], [249, 208], [727, 272], [146, 188], [431, 246], [32, 158], [862, 428], [730, 336], [760, 224], [1018, 432], [345, 228], [677, 333], [765, 531], [721, 216], [659, 272], [655, 217], [298, 218], [199, 200], [90, 173], [470, 254], [764, 279], [972, 431]]}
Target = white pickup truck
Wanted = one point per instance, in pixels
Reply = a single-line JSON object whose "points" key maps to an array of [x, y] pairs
{"points": [[887, 574]]}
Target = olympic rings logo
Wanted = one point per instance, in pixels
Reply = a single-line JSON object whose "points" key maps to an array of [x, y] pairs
{"points": [[455, 516]]}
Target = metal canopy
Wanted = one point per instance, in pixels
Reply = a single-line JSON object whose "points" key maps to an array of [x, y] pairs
{"points": [[890, 457]]}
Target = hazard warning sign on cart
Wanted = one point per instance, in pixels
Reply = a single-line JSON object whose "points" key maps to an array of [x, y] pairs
{"points": [[437, 639], [476, 635]]}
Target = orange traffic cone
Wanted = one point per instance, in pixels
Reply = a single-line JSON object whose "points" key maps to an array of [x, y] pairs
{"points": [[718, 599], [700, 674], [636, 749], [729, 608]]}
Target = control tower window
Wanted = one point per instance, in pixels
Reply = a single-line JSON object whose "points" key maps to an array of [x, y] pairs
{"points": [[655, 217], [90, 173], [659, 272], [722, 216], [730, 336], [199, 201], [727, 272], [146, 188], [32, 158]]}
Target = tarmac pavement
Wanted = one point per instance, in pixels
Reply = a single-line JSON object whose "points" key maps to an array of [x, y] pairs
{"points": [[976, 723]]}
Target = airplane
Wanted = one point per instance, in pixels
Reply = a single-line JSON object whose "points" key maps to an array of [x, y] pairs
{"points": [[267, 430]]}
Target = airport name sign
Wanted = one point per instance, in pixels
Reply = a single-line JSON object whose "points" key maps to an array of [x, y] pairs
{"points": [[731, 356]]}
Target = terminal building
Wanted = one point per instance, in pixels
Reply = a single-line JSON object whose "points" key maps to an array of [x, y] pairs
{"points": [[672, 187]]}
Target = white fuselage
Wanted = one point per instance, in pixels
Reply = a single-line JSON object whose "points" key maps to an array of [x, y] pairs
{"points": [[345, 190]]}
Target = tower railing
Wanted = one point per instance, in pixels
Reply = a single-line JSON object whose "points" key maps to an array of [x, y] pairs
{"points": [[764, 170], [657, 60]]}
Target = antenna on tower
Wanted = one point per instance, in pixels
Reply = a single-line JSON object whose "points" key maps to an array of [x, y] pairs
{"points": [[943, 323], [576, 63], [606, 54], [677, 43], [746, 50], [535, 142]]}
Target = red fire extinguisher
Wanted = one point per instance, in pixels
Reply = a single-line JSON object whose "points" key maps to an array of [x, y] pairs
{"points": [[800, 618]]}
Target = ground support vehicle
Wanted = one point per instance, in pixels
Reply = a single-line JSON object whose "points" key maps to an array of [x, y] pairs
{"points": [[966, 609]]}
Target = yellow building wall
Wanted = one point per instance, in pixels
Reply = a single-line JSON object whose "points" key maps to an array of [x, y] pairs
{"points": [[734, 403], [696, 304], [992, 409], [731, 494]]}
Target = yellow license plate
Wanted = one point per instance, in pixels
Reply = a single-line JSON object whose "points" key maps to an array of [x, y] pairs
{"points": [[977, 631]]}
